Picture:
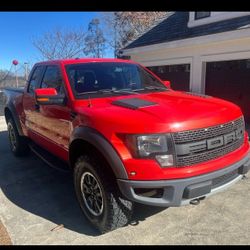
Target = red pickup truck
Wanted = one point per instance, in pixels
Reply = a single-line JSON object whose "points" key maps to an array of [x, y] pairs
{"points": [[126, 135]]}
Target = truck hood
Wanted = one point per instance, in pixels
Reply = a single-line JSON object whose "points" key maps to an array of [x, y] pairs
{"points": [[168, 111]]}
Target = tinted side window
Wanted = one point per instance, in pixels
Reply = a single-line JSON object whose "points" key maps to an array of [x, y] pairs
{"points": [[35, 78], [52, 78], [201, 14]]}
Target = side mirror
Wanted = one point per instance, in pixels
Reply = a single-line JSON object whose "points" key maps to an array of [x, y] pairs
{"points": [[49, 96], [167, 84]]}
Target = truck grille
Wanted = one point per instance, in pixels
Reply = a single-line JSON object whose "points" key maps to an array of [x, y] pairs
{"points": [[200, 134], [186, 142]]}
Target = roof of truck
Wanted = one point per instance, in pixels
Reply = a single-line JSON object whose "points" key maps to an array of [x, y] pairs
{"points": [[84, 60]]}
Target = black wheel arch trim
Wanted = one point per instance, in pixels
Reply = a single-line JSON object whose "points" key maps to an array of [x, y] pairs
{"points": [[96, 139], [11, 108]]}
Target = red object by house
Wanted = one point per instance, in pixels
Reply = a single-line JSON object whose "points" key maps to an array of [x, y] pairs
{"points": [[15, 62]]}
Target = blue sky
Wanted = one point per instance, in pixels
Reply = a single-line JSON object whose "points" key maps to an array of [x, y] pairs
{"points": [[18, 28]]}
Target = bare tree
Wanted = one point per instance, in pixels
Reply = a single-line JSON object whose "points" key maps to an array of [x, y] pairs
{"points": [[8, 79], [4, 74], [95, 42], [60, 43], [124, 27]]}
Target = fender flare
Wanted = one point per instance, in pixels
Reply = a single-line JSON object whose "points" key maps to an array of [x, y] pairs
{"points": [[10, 106], [96, 139]]}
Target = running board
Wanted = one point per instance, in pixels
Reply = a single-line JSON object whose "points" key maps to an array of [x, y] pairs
{"points": [[49, 159]]}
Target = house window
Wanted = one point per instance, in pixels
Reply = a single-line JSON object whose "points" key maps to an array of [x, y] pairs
{"points": [[201, 14]]}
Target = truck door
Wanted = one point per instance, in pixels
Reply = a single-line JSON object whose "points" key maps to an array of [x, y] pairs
{"points": [[54, 123], [29, 103]]}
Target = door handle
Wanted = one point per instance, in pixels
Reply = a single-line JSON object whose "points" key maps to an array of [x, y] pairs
{"points": [[73, 115]]}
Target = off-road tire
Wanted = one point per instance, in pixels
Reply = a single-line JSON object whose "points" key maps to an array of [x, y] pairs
{"points": [[18, 144], [117, 210]]}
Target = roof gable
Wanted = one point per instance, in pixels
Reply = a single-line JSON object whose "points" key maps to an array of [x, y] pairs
{"points": [[174, 27]]}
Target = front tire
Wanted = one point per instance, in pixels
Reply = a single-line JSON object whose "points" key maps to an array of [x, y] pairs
{"points": [[18, 144], [99, 196]]}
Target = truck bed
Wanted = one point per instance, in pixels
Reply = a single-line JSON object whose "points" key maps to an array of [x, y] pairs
{"points": [[12, 100], [6, 94], [19, 90]]}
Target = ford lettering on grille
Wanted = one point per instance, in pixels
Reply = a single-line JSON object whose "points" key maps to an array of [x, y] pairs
{"points": [[204, 144], [209, 144]]}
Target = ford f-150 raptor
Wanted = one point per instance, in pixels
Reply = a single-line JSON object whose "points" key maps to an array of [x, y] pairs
{"points": [[126, 136]]}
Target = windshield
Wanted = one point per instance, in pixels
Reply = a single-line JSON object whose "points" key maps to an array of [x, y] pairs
{"points": [[111, 78]]}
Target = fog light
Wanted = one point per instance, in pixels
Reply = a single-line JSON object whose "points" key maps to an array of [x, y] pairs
{"points": [[165, 160]]}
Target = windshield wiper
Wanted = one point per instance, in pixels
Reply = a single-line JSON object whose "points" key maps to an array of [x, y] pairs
{"points": [[103, 91], [155, 87], [151, 88], [122, 91]]}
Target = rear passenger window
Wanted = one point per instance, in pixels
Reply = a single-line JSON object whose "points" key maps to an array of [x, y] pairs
{"points": [[52, 79], [35, 79]]}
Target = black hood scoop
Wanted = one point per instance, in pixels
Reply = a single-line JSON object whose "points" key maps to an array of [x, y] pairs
{"points": [[133, 103]]}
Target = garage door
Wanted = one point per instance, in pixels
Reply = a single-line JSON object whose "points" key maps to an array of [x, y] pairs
{"points": [[178, 75], [230, 80]]}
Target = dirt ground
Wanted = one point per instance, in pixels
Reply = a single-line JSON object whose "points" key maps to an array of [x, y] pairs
{"points": [[4, 236]]}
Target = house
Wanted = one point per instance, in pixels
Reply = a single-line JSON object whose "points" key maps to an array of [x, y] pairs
{"points": [[205, 52]]}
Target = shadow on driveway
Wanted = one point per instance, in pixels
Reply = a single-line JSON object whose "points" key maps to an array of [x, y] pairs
{"points": [[35, 187]]}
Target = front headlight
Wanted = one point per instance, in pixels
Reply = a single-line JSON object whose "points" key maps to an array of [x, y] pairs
{"points": [[159, 147], [151, 144]]}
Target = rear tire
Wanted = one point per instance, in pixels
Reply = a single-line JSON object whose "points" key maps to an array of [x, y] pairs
{"points": [[101, 202], [18, 144]]}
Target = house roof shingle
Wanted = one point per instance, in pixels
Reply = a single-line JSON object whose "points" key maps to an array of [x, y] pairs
{"points": [[174, 27]]}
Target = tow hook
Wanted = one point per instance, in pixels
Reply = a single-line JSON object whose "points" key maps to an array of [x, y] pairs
{"points": [[196, 201]]}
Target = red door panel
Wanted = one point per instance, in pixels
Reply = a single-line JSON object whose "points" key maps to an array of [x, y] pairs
{"points": [[55, 127]]}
